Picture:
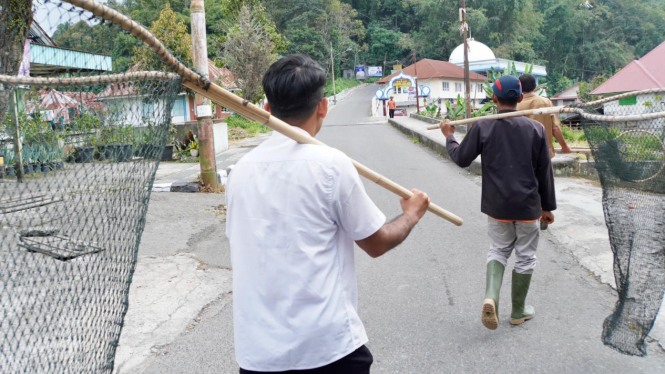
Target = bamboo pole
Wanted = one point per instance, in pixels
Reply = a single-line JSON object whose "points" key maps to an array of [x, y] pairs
{"points": [[623, 96], [204, 87], [559, 109], [12, 80]]}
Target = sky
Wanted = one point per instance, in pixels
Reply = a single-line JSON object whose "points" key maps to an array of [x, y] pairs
{"points": [[49, 15]]}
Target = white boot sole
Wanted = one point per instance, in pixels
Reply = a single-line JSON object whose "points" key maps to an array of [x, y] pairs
{"points": [[489, 315]]}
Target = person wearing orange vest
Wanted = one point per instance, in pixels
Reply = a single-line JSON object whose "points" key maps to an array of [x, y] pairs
{"points": [[392, 105]]}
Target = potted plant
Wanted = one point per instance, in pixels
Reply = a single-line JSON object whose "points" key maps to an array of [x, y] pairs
{"points": [[44, 159], [58, 156], [27, 154], [124, 150], [85, 154], [172, 140], [194, 147], [10, 161]]}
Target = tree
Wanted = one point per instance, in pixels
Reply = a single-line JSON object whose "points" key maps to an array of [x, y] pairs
{"points": [[584, 93], [248, 52], [15, 18], [383, 44], [232, 10], [172, 32]]}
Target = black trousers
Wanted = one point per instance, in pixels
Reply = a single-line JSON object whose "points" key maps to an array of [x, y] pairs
{"points": [[391, 112], [358, 362]]}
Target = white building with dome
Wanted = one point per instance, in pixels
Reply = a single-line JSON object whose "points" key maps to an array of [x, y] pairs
{"points": [[482, 60]]}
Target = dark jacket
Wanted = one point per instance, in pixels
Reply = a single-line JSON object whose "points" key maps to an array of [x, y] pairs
{"points": [[517, 171]]}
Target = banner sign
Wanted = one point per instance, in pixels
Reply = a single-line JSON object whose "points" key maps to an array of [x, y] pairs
{"points": [[375, 71], [360, 72], [397, 67], [402, 83]]}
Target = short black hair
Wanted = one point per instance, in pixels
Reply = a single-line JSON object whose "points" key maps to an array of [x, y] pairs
{"points": [[528, 82], [294, 87], [511, 102]]}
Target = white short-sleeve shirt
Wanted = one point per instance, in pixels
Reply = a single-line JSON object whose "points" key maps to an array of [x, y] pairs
{"points": [[294, 212]]}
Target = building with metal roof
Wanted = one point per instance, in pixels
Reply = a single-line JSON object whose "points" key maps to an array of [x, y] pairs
{"points": [[482, 60], [47, 59], [438, 81], [646, 73]]}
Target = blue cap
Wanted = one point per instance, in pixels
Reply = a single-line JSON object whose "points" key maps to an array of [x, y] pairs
{"points": [[507, 87]]}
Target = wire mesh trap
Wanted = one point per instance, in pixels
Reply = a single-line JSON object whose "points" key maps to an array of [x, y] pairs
{"points": [[80, 146], [90, 141], [630, 160]]}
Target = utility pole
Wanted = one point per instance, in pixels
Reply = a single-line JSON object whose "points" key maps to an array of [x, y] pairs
{"points": [[355, 62], [18, 145], [384, 64], [467, 80], [203, 108], [332, 64], [415, 66]]}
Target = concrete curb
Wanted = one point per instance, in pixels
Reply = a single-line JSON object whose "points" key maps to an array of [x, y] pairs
{"points": [[564, 165], [461, 129], [428, 139], [176, 187]]}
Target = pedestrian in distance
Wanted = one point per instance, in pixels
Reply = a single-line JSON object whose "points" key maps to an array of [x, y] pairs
{"points": [[294, 213], [392, 105], [517, 192], [551, 122]]}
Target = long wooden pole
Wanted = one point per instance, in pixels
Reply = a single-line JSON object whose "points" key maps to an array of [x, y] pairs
{"points": [[467, 74], [332, 65], [415, 66], [206, 139], [555, 110], [204, 87]]}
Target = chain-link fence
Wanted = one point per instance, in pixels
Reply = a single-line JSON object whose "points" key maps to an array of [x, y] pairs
{"points": [[80, 147]]}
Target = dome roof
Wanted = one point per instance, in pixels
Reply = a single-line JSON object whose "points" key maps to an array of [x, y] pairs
{"points": [[477, 52]]}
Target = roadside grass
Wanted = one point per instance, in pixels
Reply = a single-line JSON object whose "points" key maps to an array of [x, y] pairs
{"points": [[341, 84], [240, 128]]}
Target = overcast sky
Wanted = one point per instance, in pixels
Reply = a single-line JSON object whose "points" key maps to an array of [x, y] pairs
{"points": [[49, 16]]}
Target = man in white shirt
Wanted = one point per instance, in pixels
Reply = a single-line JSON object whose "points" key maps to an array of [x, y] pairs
{"points": [[294, 212]]}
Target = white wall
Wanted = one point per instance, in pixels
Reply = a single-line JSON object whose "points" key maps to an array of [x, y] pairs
{"points": [[132, 111], [437, 92], [613, 108]]}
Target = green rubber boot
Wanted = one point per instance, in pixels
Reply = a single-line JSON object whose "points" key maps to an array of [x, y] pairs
{"points": [[521, 312], [490, 315]]}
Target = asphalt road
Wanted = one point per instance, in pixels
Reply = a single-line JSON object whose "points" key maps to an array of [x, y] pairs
{"points": [[421, 302]]}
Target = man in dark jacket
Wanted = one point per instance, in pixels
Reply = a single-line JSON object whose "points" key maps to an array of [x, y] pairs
{"points": [[518, 191]]}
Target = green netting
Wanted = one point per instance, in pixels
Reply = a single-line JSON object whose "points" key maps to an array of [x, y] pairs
{"points": [[74, 187], [630, 158]]}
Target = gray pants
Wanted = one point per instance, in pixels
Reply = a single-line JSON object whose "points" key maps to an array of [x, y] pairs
{"points": [[506, 236]]}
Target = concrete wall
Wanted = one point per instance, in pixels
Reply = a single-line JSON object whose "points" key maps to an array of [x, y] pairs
{"points": [[220, 134], [613, 108], [455, 88]]}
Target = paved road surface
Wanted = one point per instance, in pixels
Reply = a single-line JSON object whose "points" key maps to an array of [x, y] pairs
{"points": [[421, 302]]}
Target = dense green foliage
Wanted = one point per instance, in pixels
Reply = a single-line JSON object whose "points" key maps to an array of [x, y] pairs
{"points": [[576, 43], [341, 84], [252, 128]]}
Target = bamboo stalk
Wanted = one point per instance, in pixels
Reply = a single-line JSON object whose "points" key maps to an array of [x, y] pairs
{"points": [[559, 109], [217, 94], [623, 96], [78, 81]]}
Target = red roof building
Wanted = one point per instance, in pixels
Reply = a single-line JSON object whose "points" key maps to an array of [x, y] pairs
{"points": [[438, 82], [428, 69], [567, 96], [643, 74]]}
